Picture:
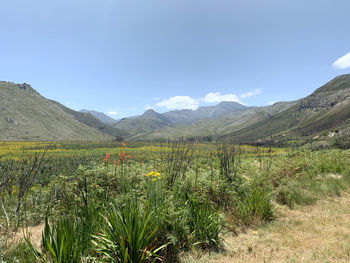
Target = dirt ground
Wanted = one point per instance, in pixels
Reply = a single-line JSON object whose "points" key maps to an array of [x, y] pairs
{"points": [[34, 233], [317, 233]]}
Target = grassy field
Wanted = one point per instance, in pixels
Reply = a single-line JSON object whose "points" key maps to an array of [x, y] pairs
{"points": [[141, 202], [319, 233]]}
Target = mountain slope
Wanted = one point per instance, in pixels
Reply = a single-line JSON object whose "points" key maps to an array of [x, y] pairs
{"points": [[100, 116], [325, 109], [211, 128], [147, 122], [26, 115], [204, 112], [151, 122], [89, 120]]}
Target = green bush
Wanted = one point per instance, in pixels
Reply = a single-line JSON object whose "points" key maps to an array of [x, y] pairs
{"points": [[60, 242], [254, 206], [292, 196], [205, 224], [128, 235], [19, 253]]}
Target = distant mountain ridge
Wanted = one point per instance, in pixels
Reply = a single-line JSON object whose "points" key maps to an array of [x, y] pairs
{"points": [[151, 120], [212, 128], [26, 115], [100, 116], [204, 112], [326, 109], [88, 119]]}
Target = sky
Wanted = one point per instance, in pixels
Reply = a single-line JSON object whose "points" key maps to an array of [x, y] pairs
{"points": [[123, 57]]}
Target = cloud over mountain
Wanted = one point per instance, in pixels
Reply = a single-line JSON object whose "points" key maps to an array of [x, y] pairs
{"points": [[343, 62], [186, 102], [179, 102]]}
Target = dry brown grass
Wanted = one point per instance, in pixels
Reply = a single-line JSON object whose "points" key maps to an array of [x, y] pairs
{"points": [[319, 233], [34, 233]]}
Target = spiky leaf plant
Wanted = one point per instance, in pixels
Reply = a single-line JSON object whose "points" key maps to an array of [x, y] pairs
{"points": [[128, 235], [60, 242]]}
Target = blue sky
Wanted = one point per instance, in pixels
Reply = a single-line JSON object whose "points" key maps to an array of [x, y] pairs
{"points": [[122, 57]]}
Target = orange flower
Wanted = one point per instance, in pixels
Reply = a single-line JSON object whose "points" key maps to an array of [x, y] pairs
{"points": [[123, 145], [107, 157], [122, 156]]}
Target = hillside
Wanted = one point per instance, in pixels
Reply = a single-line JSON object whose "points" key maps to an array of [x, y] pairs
{"points": [[211, 128], [89, 120], [100, 116], [326, 109], [147, 122], [26, 115], [204, 112], [153, 125], [318, 115]]}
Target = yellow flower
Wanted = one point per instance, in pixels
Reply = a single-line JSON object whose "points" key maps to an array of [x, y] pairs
{"points": [[150, 173], [154, 179]]}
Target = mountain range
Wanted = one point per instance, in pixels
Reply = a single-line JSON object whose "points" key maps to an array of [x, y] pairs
{"points": [[26, 115]]}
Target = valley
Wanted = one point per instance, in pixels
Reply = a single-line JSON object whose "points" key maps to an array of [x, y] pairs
{"points": [[310, 119]]}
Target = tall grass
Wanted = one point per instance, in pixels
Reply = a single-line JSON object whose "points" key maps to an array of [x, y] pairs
{"points": [[205, 224], [254, 206]]}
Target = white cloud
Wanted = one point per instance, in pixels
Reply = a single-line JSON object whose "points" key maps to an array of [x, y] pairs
{"points": [[250, 93], [213, 97], [112, 113], [179, 102], [343, 62], [148, 107], [186, 102]]}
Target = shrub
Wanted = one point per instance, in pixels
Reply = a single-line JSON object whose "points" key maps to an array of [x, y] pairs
{"points": [[254, 206], [128, 235], [19, 253], [60, 242], [292, 197], [205, 224]]}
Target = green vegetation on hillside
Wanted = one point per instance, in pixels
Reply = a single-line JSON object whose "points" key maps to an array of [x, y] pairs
{"points": [[27, 116], [325, 110], [313, 119], [93, 122]]}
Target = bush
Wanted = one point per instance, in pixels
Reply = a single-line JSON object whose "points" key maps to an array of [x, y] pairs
{"points": [[205, 224], [19, 253], [292, 196], [128, 235], [254, 206], [60, 242]]}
